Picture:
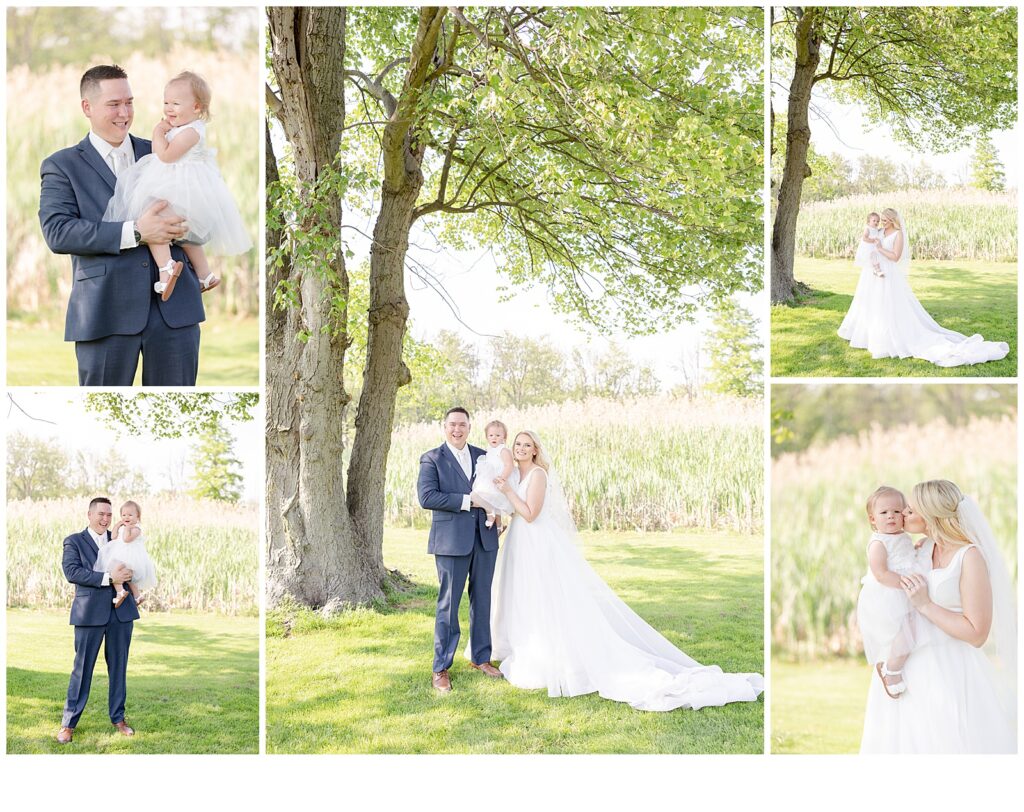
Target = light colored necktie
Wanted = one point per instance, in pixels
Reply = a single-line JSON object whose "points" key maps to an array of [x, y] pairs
{"points": [[120, 159], [467, 463]]}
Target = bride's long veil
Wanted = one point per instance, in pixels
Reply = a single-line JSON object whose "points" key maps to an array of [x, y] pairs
{"points": [[903, 263], [1001, 646], [556, 505]]}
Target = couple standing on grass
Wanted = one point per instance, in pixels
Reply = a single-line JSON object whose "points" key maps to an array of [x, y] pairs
{"points": [[886, 319], [536, 606]]}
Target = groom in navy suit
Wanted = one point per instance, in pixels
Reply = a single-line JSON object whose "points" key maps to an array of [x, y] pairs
{"points": [[462, 545], [96, 619], [114, 316]]}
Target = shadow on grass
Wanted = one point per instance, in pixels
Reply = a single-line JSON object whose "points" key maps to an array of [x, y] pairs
{"points": [[967, 297], [360, 682], [189, 691]]}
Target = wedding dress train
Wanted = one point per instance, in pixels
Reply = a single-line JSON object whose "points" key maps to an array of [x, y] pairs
{"points": [[886, 319], [556, 625]]}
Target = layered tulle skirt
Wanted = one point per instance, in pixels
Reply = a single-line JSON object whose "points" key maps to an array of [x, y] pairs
{"points": [[557, 626], [194, 189]]}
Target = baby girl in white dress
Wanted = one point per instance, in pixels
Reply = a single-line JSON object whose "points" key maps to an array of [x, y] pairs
{"points": [[127, 546], [867, 249], [496, 463], [884, 614], [182, 171]]}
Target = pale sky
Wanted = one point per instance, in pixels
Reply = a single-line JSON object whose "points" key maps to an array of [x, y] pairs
{"points": [[471, 279], [160, 461], [858, 137]]}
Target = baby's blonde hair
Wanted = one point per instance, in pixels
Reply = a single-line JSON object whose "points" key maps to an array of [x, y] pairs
{"points": [[131, 504], [499, 424], [880, 491], [200, 89], [937, 501], [873, 214]]}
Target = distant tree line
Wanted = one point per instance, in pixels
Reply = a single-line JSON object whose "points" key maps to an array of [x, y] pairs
{"points": [[517, 372], [833, 176], [40, 468], [812, 414]]}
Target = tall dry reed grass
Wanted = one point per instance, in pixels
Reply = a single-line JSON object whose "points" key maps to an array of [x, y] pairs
{"points": [[651, 464], [943, 224], [206, 553], [820, 530]]}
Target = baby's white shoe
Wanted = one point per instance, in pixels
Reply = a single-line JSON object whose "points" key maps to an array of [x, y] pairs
{"points": [[895, 689]]}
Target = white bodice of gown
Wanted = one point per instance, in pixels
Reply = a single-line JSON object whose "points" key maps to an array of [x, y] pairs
{"points": [[900, 552], [198, 152], [122, 534], [944, 582]]}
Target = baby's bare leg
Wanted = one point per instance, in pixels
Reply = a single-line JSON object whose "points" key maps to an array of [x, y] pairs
{"points": [[197, 256]]}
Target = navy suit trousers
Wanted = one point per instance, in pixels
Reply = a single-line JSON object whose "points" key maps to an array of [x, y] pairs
{"points": [[452, 571], [118, 637], [170, 356]]}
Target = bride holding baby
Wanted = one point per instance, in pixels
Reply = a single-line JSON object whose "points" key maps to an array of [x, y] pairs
{"points": [[939, 626]]}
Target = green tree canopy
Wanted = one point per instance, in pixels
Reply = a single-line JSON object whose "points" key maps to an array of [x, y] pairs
{"points": [[215, 468], [737, 363], [610, 154], [172, 414], [36, 468], [986, 168]]}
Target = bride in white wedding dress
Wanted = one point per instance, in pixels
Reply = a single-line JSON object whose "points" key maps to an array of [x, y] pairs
{"points": [[556, 625], [886, 318], [961, 675]]}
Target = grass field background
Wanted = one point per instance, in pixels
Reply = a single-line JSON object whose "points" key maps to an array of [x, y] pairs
{"points": [[360, 681], [651, 464], [818, 706], [968, 296], [193, 685], [206, 553], [229, 349], [943, 224]]}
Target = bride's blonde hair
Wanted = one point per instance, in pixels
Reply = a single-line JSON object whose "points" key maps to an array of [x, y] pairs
{"points": [[937, 501], [893, 217], [540, 458]]}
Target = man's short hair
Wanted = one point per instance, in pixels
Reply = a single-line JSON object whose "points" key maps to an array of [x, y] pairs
{"points": [[454, 409], [99, 500], [91, 78]]}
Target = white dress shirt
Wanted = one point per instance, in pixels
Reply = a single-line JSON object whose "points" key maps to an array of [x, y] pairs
{"points": [[118, 159], [465, 459], [101, 540]]}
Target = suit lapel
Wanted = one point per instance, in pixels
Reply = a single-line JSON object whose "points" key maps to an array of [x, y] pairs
{"points": [[454, 463], [140, 148], [92, 157]]}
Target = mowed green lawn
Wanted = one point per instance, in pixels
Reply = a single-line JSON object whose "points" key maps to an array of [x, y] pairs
{"points": [[193, 686], [818, 706], [228, 354], [360, 682], [966, 296]]}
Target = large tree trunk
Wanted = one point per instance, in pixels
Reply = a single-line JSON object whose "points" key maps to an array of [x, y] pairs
{"points": [[314, 554], [795, 169], [385, 371]]}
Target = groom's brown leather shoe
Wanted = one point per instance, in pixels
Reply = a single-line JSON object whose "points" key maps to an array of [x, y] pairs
{"points": [[442, 682], [489, 670], [123, 729], [65, 735]]}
